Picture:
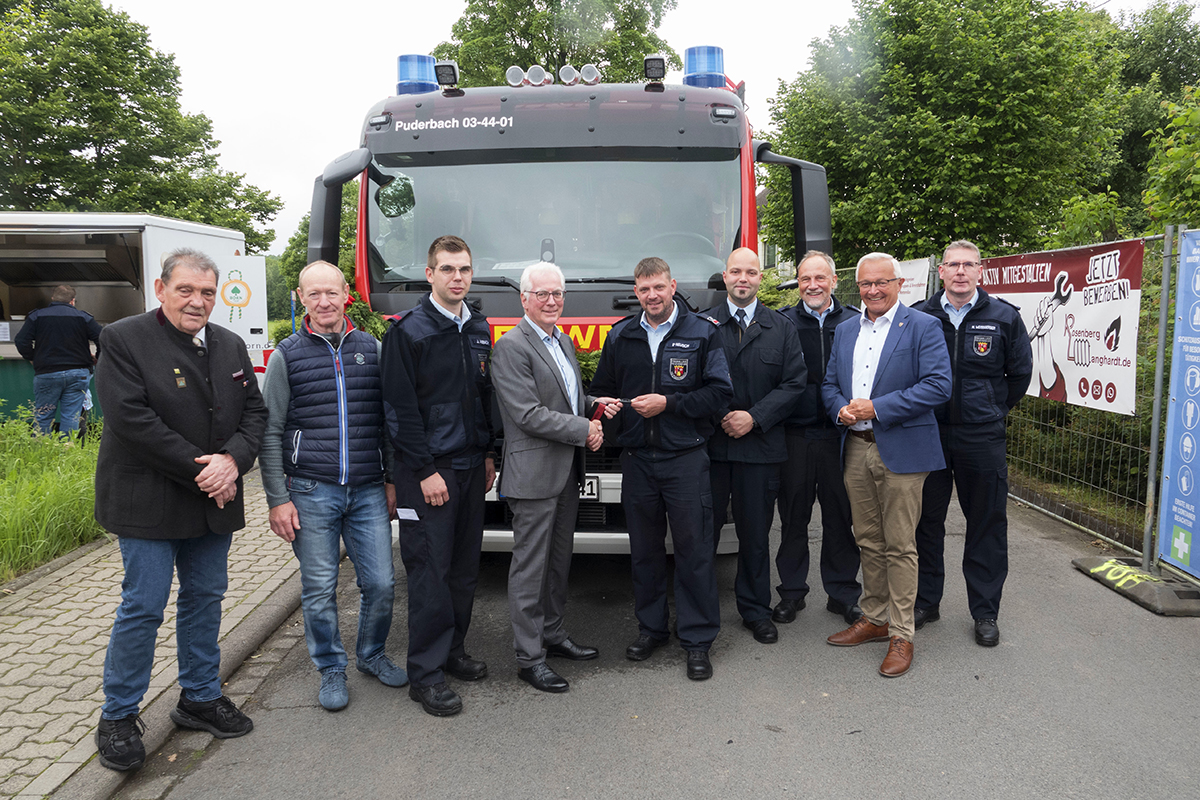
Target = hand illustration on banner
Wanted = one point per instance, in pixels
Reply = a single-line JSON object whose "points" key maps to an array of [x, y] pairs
{"points": [[1052, 385]]}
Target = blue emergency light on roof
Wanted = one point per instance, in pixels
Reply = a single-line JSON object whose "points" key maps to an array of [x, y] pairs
{"points": [[415, 75], [704, 66]]}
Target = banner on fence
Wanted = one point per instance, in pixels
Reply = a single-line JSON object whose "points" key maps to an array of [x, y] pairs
{"points": [[1177, 508], [916, 281], [1081, 308]]}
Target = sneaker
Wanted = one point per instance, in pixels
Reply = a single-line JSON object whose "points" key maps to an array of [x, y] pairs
{"points": [[386, 670], [219, 717], [119, 742], [333, 694]]}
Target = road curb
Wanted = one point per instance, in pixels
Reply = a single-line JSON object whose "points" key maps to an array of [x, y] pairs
{"points": [[94, 782]]}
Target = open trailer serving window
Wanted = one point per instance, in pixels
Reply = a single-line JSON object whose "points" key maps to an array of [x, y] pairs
{"points": [[593, 218]]}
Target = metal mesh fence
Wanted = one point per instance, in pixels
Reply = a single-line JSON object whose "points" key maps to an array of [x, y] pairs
{"points": [[1083, 465]]}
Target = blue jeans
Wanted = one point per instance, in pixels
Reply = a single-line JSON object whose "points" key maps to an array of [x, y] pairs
{"points": [[149, 567], [63, 391], [330, 513]]}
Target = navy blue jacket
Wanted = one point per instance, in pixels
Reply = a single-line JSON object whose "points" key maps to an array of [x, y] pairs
{"points": [[816, 341], [690, 371], [990, 358], [55, 338], [334, 426], [768, 374], [437, 388]]}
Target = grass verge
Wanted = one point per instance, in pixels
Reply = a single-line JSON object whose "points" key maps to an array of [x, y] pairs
{"points": [[46, 495]]}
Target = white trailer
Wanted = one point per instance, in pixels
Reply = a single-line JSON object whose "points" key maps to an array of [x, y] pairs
{"points": [[112, 261]]}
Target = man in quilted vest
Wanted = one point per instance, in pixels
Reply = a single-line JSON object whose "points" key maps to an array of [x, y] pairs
{"points": [[324, 463]]}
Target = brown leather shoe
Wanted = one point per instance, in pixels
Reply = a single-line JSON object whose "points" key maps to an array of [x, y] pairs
{"points": [[898, 659], [863, 630]]}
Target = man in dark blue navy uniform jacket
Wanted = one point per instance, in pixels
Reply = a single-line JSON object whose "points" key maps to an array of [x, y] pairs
{"points": [[747, 450], [437, 395], [814, 467], [56, 340], [669, 362], [992, 364]]}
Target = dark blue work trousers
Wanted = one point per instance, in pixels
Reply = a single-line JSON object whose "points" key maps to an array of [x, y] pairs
{"points": [[813, 473], [753, 488], [441, 556], [976, 467], [657, 487]]}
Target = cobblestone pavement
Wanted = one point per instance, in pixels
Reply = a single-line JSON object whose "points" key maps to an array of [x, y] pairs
{"points": [[53, 636]]}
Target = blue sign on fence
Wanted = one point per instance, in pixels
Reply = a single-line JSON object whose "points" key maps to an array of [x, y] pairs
{"points": [[1177, 523]]}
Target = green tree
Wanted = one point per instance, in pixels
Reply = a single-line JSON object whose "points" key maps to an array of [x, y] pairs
{"points": [[944, 119], [279, 301], [1173, 190], [493, 35], [90, 121]]}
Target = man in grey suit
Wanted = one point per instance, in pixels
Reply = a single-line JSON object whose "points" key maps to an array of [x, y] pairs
{"points": [[536, 378]]}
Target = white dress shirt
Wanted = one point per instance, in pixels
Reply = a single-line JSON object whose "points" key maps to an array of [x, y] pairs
{"points": [[560, 358], [871, 336]]}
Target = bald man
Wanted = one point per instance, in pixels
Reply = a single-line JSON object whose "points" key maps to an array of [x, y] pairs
{"points": [[748, 449]]}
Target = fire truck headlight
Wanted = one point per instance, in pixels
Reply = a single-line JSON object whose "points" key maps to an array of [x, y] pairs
{"points": [[589, 75], [568, 75], [514, 76], [447, 73], [654, 67]]}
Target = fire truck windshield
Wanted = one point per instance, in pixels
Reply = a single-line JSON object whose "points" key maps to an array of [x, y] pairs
{"points": [[594, 218]]}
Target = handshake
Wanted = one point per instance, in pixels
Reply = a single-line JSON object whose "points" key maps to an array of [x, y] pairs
{"points": [[606, 407]]}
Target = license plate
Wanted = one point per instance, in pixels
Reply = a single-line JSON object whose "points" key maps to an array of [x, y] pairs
{"points": [[591, 488]]}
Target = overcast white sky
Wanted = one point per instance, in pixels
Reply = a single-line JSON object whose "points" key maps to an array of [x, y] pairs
{"points": [[287, 86]]}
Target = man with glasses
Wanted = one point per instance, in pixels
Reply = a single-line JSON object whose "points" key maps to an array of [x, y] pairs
{"points": [[992, 362], [542, 404], [437, 395], [886, 376], [813, 471]]}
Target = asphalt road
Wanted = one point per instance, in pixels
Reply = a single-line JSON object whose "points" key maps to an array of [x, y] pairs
{"points": [[1087, 695]]}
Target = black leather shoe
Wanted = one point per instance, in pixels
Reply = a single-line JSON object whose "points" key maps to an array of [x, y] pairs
{"points": [[923, 615], [763, 629], [569, 650], [466, 668], [850, 613], [119, 742], [785, 611], [987, 632], [544, 679], [699, 668], [219, 717], [642, 647], [439, 699]]}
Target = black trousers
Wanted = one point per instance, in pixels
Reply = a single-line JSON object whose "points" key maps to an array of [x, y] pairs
{"points": [[653, 491], [753, 488], [813, 473], [976, 466], [441, 555]]}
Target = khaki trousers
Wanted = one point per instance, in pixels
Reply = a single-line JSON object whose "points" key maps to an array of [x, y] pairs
{"points": [[885, 506]]}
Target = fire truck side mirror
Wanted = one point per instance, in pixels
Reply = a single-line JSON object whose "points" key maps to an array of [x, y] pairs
{"points": [[325, 219], [810, 199]]}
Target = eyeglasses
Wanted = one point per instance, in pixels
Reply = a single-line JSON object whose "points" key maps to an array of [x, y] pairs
{"points": [[544, 296], [955, 266], [883, 284], [448, 270]]}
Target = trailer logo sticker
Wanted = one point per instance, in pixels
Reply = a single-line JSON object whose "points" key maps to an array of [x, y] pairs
{"points": [[679, 368], [235, 293]]}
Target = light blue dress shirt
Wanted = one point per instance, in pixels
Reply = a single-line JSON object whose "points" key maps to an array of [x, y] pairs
{"points": [[820, 315], [750, 309], [656, 335], [459, 321], [957, 314], [560, 358]]}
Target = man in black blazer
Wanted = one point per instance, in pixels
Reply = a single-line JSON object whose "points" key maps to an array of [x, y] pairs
{"points": [[183, 421]]}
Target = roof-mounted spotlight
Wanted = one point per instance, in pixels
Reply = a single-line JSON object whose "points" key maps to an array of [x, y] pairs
{"points": [[446, 73], [589, 75], [514, 76], [538, 76], [568, 75], [654, 67]]}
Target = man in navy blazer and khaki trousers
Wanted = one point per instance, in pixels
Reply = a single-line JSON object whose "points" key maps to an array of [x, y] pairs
{"points": [[542, 402], [885, 377]]}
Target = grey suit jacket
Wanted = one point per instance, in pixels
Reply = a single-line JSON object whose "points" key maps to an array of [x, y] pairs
{"points": [[541, 431]]}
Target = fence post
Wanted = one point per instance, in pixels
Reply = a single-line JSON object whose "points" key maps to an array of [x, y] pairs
{"points": [[1156, 418]]}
